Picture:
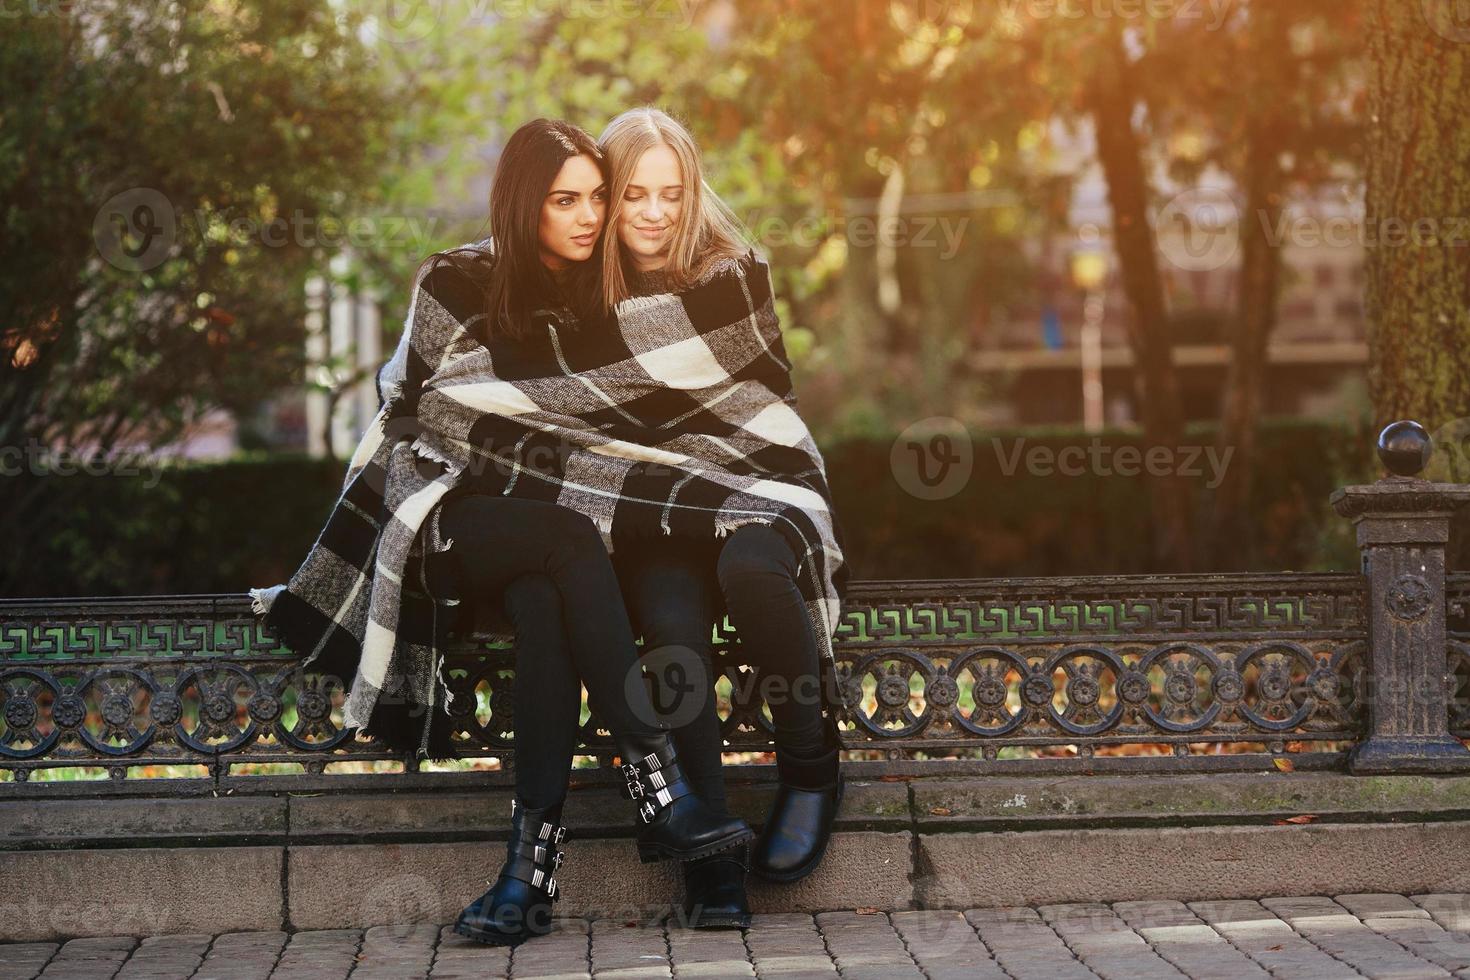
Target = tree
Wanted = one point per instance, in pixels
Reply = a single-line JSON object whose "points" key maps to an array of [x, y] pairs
{"points": [[163, 185], [1418, 197], [1270, 95]]}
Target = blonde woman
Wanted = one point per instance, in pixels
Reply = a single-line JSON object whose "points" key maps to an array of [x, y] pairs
{"points": [[677, 240]]}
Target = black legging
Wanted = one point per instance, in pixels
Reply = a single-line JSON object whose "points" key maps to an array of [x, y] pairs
{"points": [[757, 574], [527, 550], [670, 596]]}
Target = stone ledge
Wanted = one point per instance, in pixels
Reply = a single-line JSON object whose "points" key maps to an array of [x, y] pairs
{"points": [[342, 886], [76, 867], [1189, 864], [1039, 802], [140, 891]]}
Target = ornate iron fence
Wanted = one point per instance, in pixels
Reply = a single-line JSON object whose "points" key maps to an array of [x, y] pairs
{"points": [[1364, 668]]}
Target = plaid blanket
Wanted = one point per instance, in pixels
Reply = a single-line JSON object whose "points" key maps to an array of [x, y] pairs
{"points": [[676, 415]]}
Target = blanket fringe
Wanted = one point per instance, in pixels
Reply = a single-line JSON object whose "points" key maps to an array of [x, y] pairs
{"points": [[261, 600], [645, 302], [723, 528], [429, 453]]}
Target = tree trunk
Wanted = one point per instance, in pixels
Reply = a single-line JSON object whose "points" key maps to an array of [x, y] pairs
{"points": [[1260, 278], [1120, 153], [1417, 300]]}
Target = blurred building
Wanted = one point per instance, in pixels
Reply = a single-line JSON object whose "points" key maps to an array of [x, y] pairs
{"points": [[1034, 352]]}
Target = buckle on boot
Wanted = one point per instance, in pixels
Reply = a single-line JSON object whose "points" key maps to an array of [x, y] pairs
{"points": [[647, 811], [635, 785]]}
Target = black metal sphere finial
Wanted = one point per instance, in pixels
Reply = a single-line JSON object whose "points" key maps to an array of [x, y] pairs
{"points": [[1404, 447]]}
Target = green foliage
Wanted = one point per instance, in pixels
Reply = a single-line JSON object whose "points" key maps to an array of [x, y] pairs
{"points": [[229, 526], [166, 184]]}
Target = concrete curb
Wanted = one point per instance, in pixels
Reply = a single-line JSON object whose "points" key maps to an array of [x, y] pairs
{"points": [[147, 866]]}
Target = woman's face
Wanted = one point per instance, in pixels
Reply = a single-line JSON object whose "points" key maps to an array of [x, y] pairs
{"points": [[572, 213], [651, 207]]}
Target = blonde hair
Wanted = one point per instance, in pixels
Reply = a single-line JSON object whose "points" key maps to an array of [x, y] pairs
{"points": [[707, 230]]}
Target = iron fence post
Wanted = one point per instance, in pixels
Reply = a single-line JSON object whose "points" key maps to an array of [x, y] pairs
{"points": [[1403, 525]]}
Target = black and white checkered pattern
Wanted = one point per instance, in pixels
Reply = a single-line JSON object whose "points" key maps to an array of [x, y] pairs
{"points": [[678, 415]]}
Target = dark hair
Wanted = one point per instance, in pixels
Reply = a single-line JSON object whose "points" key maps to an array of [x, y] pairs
{"points": [[514, 280]]}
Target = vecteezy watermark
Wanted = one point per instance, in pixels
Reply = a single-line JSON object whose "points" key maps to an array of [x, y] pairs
{"points": [[1449, 461], [1213, 13], [1450, 19], [1199, 229], [37, 459], [676, 682], [403, 22], [1100, 459], [942, 232], [933, 458], [136, 230], [398, 21]]}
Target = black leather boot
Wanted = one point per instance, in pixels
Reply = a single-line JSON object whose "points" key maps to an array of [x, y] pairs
{"points": [[799, 826], [676, 823], [518, 906], [714, 891]]}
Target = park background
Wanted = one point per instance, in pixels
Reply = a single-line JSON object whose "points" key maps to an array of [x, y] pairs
{"points": [[996, 228]]}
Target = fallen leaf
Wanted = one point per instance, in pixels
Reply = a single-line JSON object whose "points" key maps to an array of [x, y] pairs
{"points": [[866, 910], [1273, 949], [940, 811], [1302, 818], [1285, 765]]}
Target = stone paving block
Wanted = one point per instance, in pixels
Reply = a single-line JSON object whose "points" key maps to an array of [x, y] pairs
{"points": [[619, 949], [392, 952], [787, 946], [178, 955], [1374, 905], [328, 952], [1258, 933], [1182, 938], [945, 946], [708, 953], [1398, 918], [242, 956], [1025, 946], [22, 961], [866, 945], [1311, 936], [561, 953], [1450, 910], [1340, 934], [1105, 943]]}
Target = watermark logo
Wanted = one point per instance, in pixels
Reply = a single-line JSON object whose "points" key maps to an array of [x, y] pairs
{"points": [[399, 22], [1199, 229], [1450, 460], [135, 230], [933, 458], [1450, 19], [678, 686]]}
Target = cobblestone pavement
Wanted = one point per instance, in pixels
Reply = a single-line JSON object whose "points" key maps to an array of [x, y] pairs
{"points": [[1348, 936]]}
